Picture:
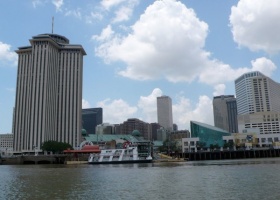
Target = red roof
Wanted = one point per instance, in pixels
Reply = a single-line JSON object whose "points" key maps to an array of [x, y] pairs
{"points": [[85, 149]]}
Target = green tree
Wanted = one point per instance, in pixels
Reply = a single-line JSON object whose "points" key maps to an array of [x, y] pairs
{"points": [[55, 147], [214, 146], [169, 146], [229, 144], [200, 145]]}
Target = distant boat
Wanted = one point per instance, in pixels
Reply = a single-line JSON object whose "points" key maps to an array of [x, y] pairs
{"points": [[130, 154]]}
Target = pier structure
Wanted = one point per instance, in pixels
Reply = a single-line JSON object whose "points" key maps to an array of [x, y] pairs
{"points": [[238, 154]]}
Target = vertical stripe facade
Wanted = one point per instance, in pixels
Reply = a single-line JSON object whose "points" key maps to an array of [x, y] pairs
{"points": [[49, 93]]}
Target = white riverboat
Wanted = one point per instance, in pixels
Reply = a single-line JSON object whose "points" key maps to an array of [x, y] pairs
{"points": [[130, 154]]}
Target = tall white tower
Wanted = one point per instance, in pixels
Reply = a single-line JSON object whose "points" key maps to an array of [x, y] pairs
{"points": [[256, 92], [49, 92], [258, 104], [164, 112]]}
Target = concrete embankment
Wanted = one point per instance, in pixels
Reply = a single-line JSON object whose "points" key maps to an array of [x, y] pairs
{"points": [[31, 159], [238, 154]]}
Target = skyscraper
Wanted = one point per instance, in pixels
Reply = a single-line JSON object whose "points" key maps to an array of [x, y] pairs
{"points": [[232, 115], [225, 113], [256, 92], [258, 104], [91, 117], [164, 112], [49, 92], [154, 128]]}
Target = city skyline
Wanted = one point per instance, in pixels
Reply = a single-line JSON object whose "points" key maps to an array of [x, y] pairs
{"points": [[130, 62]]}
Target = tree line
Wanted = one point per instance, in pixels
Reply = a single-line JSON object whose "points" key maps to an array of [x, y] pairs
{"points": [[55, 147]]}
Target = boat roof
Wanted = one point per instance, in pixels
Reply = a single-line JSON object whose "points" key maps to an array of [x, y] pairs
{"points": [[110, 137]]}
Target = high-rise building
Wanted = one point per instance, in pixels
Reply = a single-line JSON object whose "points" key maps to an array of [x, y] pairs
{"points": [[91, 117], [175, 127], [127, 127], [258, 104], [164, 112], [154, 128], [225, 113], [256, 92], [48, 93], [232, 116], [105, 129]]}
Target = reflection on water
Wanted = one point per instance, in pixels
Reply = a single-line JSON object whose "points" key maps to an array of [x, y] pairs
{"points": [[238, 162], [226, 179]]}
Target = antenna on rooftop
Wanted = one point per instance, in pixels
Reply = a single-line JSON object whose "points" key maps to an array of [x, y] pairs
{"points": [[52, 24]]}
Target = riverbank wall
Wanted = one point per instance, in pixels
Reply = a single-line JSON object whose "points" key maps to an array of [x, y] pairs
{"points": [[31, 159], [238, 154], [44, 159]]}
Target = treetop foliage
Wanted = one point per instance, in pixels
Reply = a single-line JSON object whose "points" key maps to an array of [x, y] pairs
{"points": [[55, 147]]}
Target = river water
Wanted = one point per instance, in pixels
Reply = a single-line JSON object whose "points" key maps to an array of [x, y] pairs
{"points": [[225, 179]]}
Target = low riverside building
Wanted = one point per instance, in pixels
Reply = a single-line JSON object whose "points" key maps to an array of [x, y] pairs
{"points": [[6, 144], [190, 144], [266, 122], [253, 140], [203, 136]]}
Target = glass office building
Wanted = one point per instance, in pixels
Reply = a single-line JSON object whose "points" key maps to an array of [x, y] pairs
{"points": [[208, 134], [91, 117]]}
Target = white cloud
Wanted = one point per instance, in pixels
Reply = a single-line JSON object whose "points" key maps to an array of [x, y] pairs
{"points": [[263, 65], [58, 4], [108, 4], [219, 89], [218, 74], [36, 3], [116, 111], [148, 105], [184, 112], [256, 24], [123, 8], [93, 17], [6, 55], [76, 13], [167, 41], [123, 14], [106, 34], [85, 104]]}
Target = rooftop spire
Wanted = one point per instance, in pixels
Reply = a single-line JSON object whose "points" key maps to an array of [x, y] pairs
{"points": [[52, 24]]}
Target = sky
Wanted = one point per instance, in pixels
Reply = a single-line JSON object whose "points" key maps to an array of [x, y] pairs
{"points": [[137, 50]]}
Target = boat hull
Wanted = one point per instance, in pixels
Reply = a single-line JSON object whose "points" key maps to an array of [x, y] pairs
{"points": [[121, 162]]}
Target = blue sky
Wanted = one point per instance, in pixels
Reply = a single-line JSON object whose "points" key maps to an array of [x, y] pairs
{"points": [[190, 50]]}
